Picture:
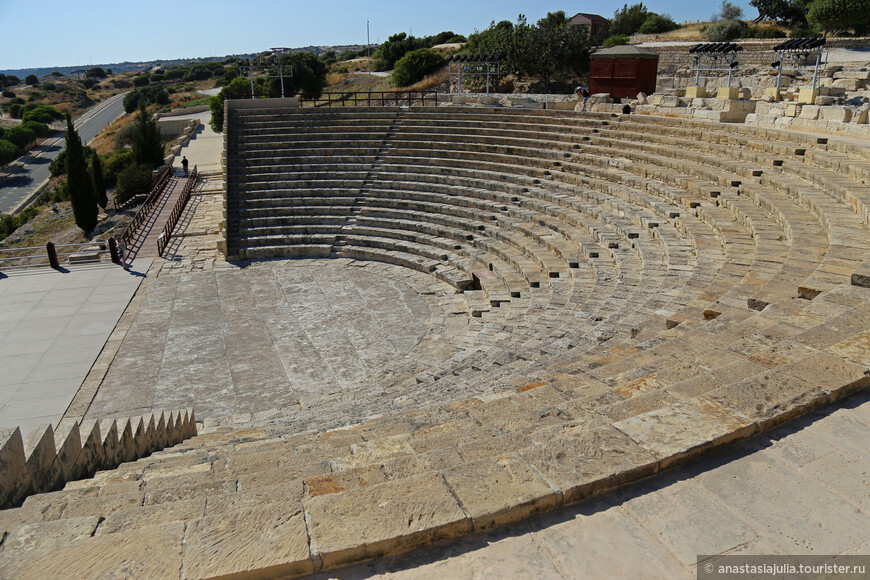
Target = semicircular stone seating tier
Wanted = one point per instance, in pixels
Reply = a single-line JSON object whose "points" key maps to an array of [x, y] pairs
{"points": [[638, 289]]}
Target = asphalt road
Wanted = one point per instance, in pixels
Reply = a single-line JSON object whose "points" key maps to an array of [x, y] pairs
{"points": [[20, 184]]}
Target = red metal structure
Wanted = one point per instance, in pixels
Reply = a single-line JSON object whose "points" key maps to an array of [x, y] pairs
{"points": [[623, 71]]}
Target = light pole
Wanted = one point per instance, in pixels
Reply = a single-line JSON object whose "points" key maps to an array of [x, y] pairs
{"points": [[369, 56], [279, 52]]}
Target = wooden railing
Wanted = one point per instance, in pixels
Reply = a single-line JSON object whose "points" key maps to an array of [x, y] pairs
{"points": [[373, 99], [163, 238], [158, 185]]}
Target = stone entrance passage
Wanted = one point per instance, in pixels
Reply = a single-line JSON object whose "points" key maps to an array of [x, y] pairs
{"points": [[266, 336]]}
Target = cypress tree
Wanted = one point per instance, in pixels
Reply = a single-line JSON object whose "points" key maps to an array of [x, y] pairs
{"points": [[147, 145], [96, 169], [79, 182]]}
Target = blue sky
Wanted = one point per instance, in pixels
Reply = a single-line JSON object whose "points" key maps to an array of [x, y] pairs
{"points": [[48, 33]]}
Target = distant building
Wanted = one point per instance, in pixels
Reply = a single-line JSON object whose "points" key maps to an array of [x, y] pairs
{"points": [[599, 26]]}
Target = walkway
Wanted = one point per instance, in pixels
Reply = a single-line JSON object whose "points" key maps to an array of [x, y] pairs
{"points": [[53, 325], [145, 243], [800, 490]]}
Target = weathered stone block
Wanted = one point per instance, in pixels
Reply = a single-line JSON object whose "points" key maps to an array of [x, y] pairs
{"points": [[836, 114], [810, 112], [728, 93], [589, 461], [685, 429], [808, 96], [773, 94], [696, 92], [500, 491], [399, 515], [271, 540]]}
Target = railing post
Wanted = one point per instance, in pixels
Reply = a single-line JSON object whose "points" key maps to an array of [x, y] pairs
{"points": [[52, 256], [113, 250]]}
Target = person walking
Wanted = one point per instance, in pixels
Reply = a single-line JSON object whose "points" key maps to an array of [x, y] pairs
{"points": [[184, 165], [122, 254]]}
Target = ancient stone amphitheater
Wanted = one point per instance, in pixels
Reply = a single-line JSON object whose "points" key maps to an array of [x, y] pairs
{"points": [[598, 298]]}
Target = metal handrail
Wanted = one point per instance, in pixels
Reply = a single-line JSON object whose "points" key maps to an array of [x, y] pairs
{"points": [[50, 256], [372, 99], [157, 188], [163, 238]]}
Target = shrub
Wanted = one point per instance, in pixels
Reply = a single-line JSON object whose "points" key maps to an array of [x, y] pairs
{"points": [[31, 80], [415, 65], [124, 136], [141, 81], [8, 152], [656, 24], [10, 223], [114, 163], [41, 114], [151, 95], [89, 83], [39, 129], [132, 180], [724, 30], [803, 32], [19, 136], [9, 94], [759, 32], [616, 40], [15, 110]]}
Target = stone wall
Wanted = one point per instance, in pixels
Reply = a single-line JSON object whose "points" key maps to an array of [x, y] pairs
{"points": [[46, 460], [756, 52]]}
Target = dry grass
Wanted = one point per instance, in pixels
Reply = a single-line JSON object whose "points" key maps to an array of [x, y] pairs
{"points": [[105, 141], [431, 82]]}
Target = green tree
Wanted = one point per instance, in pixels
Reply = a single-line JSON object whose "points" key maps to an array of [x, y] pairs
{"points": [[147, 144], [41, 114], [792, 13], [629, 19], [79, 182], [832, 15], [415, 65], [239, 88], [556, 49], [20, 136], [95, 167], [31, 80], [505, 39], [114, 163], [39, 129], [8, 152], [657, 24], [393, 49], [728, 11], [132, 179]]}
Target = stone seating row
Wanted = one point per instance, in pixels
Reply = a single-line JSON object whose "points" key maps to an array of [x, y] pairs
{"points": [[248, 472], [570, 413]]}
